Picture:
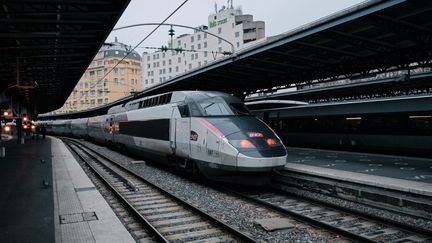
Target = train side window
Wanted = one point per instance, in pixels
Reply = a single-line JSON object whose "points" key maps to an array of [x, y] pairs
{"points": [[184, 110]]}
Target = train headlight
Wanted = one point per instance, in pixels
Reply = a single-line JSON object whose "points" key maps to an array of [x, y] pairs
{"points": [[25, 126], [271, 142], [33, 126], [7, 128], [244, 143]]}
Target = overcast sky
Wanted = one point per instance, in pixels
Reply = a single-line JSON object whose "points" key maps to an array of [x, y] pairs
{"points": [[279, 15]]}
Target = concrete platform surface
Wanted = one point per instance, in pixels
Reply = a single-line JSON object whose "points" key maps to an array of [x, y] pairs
{"points": [[47, 197], [26, 206], [391, 172], [81, 213]]}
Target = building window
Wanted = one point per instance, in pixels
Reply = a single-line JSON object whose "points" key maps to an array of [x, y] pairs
{"points": [[237, 34], [92, 73], [115, 70], [169, 62], [192, 39], [205, 35], [205, 54], [192, 47], [238, 44], [205, 44], [219, 41], [177, 68], [219, 30], [192, 56], [199, 37], [86, 85], [122, 71], [196, 55], [163, 55], [163, 63], [99, 101], [148, 58], [179, 60], [169, 70], [179, 43], [92, 93], [148, 65], [190, 65], [220, 49], [116, 81], [199, 46]]}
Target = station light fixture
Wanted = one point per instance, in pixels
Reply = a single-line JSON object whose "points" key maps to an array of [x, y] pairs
{"points": [[420, 117], [353, 118]]}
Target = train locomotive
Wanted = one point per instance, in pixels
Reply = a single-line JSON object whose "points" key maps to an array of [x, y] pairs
{"points": [[205, 132]]}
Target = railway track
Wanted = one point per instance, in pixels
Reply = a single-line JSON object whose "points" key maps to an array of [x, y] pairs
{"points": [[166, 217], [348, 223]]}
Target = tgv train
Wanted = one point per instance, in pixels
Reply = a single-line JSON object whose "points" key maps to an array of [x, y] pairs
{"points": [[211, 133]]}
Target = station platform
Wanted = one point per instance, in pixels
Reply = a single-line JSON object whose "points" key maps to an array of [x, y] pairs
{"points": [[404, 174], [47, 197]]}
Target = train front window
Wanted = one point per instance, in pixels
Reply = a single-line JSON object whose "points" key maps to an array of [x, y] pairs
{"points": [[214, 107]]}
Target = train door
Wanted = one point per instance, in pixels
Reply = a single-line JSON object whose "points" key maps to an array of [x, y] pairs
{"points": [[213, 147], [182, 133], [173, 130]]}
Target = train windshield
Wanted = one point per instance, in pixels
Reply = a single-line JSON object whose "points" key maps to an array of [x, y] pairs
{"points": [[219, 107]]}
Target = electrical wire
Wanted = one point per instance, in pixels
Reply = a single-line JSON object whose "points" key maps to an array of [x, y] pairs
{"points": [[144, 39], [136, 46]]}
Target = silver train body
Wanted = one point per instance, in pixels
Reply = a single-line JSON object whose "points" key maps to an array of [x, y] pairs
{"points": [[207, 132]]}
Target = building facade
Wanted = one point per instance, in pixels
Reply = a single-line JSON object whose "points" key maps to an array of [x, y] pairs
{"points": [[200, 48], [97, 87]]}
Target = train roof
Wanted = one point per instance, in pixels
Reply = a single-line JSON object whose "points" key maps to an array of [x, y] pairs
{"points": [[165, 98]]}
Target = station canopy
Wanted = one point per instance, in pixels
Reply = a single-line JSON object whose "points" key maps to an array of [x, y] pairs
{"points": [[46, 45], [372, 37]]}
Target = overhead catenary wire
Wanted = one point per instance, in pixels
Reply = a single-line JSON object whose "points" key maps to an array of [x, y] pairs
{"points": [[144, 39], [180, 50]]}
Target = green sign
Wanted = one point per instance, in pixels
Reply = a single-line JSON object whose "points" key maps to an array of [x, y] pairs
{"points": [[216, 23]]}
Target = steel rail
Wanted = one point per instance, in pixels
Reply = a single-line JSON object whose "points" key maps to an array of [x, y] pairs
{"points": [[159, 237], [196, 210], [408, 227], [357, 237]]}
